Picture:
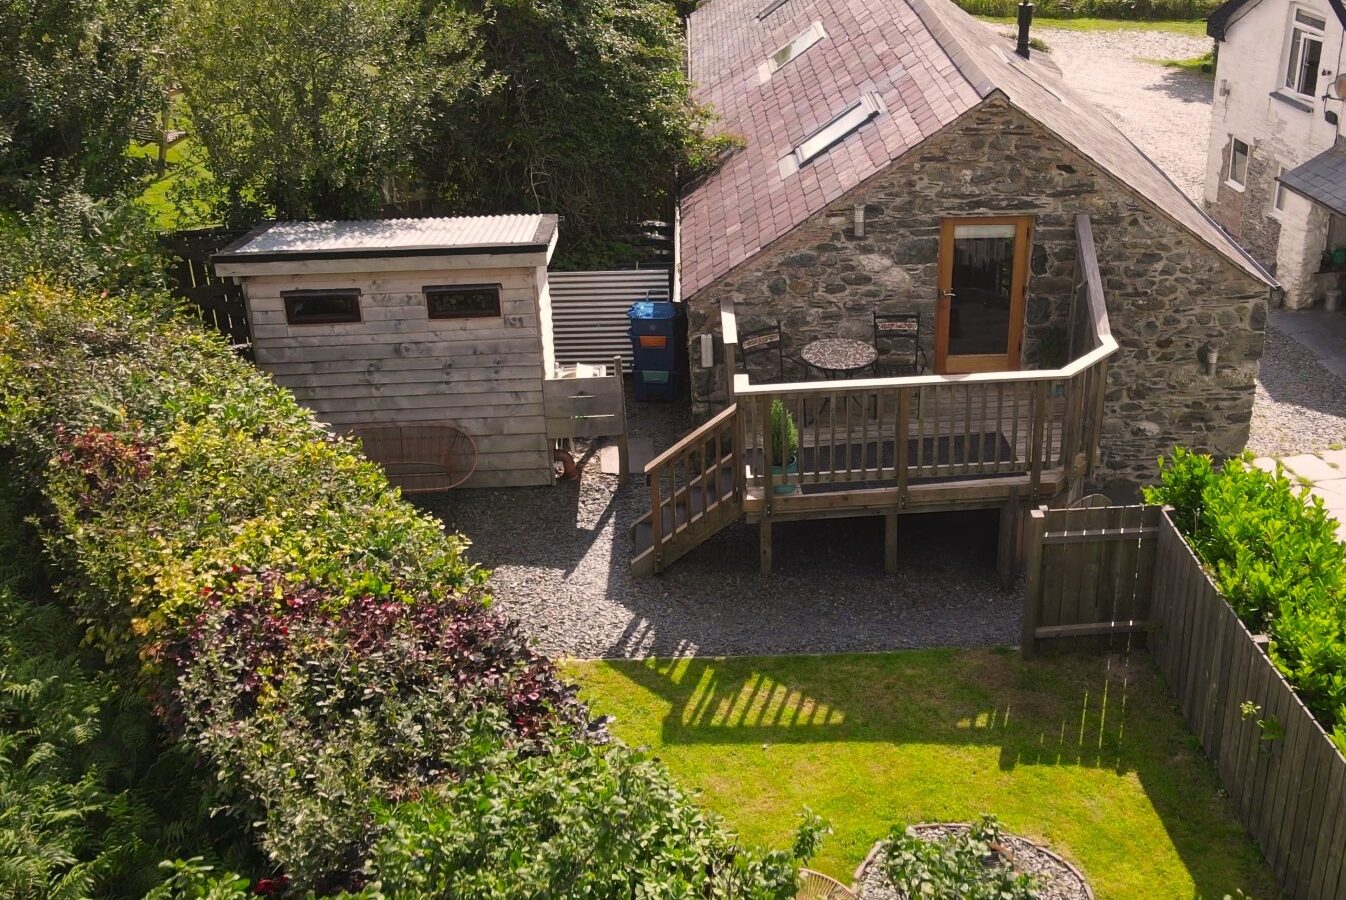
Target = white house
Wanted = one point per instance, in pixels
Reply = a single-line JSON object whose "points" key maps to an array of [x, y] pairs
{"points": [[1276, 166]]}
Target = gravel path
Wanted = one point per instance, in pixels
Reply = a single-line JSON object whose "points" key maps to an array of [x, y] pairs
{"points": [[1165, 111], [1301, 406], [561, 564]]}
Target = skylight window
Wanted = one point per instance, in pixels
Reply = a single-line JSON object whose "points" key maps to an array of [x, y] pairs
{"points": [[857, 114], [813, 35], [770, 8]]}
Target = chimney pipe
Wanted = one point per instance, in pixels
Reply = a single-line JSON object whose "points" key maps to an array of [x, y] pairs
{"points": [[1025, 22]]}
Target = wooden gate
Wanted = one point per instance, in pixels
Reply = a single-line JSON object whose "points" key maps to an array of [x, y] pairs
{"points": [[1090, 572]]}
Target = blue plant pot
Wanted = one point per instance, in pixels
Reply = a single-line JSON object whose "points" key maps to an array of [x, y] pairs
{"points": [[781, 488]]}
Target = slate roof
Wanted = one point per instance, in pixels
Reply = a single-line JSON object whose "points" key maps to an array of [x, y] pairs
{"points": [[927, 60], [392, 237], [1322, 179]]}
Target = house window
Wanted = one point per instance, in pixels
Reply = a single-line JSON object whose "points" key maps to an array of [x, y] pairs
{"points": [[462, 301], [321, 307], [770, 8], [796, 47], [1238, 163], [1281, 191], [838, 129], [1305, 53]]}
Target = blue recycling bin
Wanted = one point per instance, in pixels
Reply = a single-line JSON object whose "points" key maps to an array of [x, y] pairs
{"points": [[658, 344]]}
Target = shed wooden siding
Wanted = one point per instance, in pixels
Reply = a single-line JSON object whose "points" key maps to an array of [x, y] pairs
{"points": [[398, 365]]}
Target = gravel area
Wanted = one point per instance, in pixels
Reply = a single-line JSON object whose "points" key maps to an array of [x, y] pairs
{"points": [[1301, 406], [1057, 880], [560, 561], [1165, 111]]}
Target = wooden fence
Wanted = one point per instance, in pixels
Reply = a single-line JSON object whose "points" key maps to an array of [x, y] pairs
{"points": [[588, 310], [1282, 772], [1089, 571], [1128, 569], [218, 301]]}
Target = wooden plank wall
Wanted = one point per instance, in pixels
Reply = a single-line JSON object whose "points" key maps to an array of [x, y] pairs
{"points": [[1089, 573], [398, 365], [1285, 777]]}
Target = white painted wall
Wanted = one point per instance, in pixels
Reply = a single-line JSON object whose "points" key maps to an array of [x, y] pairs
{"points": [[1251, 68]]}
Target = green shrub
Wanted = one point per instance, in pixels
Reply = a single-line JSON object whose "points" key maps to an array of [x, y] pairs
{"points": [[323, 646], [954, 867], [784, 434], [91, 798], [1272, 551]]}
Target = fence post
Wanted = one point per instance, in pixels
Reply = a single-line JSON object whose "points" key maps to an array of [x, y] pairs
{"points": [[1037, 527]]}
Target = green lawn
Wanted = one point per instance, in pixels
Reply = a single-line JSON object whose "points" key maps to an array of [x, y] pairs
{"points": [[1086, 753], [1192, 27]]}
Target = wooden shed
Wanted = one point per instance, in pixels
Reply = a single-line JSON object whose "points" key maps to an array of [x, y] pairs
{"points": [[411, 321]]}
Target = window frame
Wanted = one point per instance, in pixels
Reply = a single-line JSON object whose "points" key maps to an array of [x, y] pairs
{"points": [[1242, 181], [292, 298], [1302, 32], [429, 289], [1280, 192], [794, 48], [827, 136]]}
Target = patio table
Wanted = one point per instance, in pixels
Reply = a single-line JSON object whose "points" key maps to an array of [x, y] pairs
{"points": [[839, 357]]}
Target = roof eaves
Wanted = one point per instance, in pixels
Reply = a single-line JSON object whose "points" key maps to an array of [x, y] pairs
{"points": [[1234, 252], [962, 60], [1218, 22]]}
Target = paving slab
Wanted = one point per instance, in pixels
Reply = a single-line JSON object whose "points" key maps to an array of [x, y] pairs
{"points": [[1311, 467]]}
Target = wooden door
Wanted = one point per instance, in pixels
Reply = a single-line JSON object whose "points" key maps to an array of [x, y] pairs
{"points": [[983, 275]]}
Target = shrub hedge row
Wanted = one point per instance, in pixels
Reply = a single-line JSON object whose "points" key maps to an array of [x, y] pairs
{"points": [[1273, 552], [322, 646]]}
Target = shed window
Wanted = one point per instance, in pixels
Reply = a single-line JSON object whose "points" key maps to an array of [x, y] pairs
{"points": [[813, 35], [321, 307], [462, 301], [1305, 53], [1238, 162], [866, 108]]}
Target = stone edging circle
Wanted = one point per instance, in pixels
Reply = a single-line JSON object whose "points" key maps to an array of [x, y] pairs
{"points": [[858, 879]]}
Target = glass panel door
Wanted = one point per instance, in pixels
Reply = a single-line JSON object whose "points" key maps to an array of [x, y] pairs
{"points": [[982, 275]]}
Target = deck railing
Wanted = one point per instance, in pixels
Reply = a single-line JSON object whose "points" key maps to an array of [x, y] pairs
{"points": [[894, 431]]}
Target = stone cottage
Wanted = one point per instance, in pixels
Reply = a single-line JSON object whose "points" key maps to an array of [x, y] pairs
{"points": [[900, 157]]}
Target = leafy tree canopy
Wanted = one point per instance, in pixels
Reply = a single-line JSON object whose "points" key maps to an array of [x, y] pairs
{"points": [[76, 76], [338, 108], [313, 108]]}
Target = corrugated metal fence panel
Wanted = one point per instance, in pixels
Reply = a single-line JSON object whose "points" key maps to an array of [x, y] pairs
{"points": [[588, 311]]}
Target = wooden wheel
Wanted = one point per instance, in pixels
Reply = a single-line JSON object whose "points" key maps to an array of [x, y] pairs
{"points": [[817, 886]]}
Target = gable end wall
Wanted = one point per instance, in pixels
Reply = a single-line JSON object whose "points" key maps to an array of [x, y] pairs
{"points": [[1169, 295]]}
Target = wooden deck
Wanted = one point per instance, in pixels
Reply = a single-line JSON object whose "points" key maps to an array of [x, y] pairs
{"points": [[888, 446]]}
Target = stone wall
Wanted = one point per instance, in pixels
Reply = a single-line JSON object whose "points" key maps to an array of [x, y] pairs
{"points": [[1247, 213], [1169, 295]]}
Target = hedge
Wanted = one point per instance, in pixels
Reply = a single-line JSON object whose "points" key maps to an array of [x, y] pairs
{"points": [[324, 648], [1273, 552]]}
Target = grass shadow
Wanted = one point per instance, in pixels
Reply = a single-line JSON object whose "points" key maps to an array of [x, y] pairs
{"points": [[1086, 752]]}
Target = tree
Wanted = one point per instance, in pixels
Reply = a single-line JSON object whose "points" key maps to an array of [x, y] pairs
{"points": [[76, 76], [315, 107], [590, 115]]}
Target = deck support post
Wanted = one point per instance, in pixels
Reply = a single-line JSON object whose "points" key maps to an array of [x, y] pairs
{"points": [[764, 534], [890, 542], [1037, 527], [1008, 560]]}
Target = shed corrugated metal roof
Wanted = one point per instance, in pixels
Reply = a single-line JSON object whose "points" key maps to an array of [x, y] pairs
{"points": [[392, 237], [1322, 179]]}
